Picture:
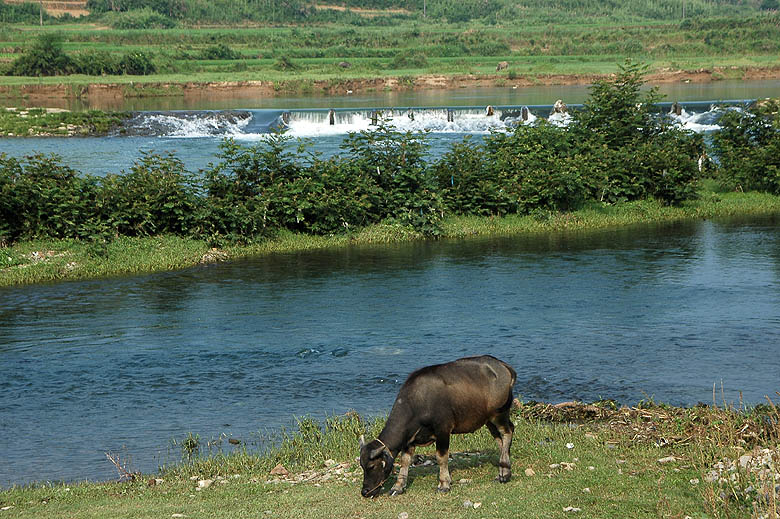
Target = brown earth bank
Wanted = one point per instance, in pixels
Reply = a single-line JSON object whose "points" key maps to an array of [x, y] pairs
{"points": [[97, 92]]}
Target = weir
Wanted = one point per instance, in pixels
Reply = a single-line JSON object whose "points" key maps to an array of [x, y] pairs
{"points": [[700, 116]]}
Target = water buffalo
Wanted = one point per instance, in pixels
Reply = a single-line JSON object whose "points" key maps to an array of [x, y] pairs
{"points": [[453, 398], [502, 65]]}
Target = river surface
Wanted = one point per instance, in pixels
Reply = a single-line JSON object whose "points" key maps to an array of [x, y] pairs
{"points": [[238, 349], [193, 129]]}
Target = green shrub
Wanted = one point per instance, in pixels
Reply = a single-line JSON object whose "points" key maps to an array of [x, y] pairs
{"points": [[145, 18], [219, 51], [39, 197], [157, 196], [137, 63], [96, 63], [44, 58], [409, 59], [748, 148], [285, 64]]}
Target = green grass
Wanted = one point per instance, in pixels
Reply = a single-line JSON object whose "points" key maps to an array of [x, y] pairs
{"points": [[451, 49], [613, 472], [52, 260]]}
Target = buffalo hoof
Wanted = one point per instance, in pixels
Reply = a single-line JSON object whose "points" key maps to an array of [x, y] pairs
{"points": [[443, 490], [396, 491], [504, 479]]}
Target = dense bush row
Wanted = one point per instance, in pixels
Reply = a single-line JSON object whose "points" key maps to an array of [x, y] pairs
{"points": [[616, 149], [46, 58]]}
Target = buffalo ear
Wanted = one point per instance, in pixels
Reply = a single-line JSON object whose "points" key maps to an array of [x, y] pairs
{"points": [[362, 441]]}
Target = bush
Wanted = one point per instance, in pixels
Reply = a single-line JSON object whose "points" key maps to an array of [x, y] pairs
{"points": [[44, 58], [39, 197], [748, 148], [157, 196], [138, 19], [96, 63], [137, 64], [409, 59], [219, 51]]}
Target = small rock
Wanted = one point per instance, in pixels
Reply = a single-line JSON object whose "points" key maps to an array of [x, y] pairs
{"points": [[586, 490], [569, 445], [330, 463], [279, 470], [572, 509], [403, 515], [464, 481], [205, 483], [468, 504], [234, 441], [477, 505], [745, 460], [555, 466], [6, 508], [530, 472], [591, 467], [194, 478], [178, 516], [668, 459], [695, 481]]}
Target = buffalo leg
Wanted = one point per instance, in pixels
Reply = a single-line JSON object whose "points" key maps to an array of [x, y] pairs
{"points": [[400, 483], [502, 428], [442, 457]]}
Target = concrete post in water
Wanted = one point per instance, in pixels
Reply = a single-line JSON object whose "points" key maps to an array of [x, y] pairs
{"points": [[676, 108], [332, 117], [489, 111], [286, 118], [374, 117], [411, 115], [450, 115], [524, 113]]}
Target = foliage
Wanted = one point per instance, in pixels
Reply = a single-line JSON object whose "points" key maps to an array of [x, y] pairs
{"points": [[409, 59], [25, 12], [45, 57], [145, 18], [219, 51], [748, 148], [39, 197], [157, 196], [137, 64]]}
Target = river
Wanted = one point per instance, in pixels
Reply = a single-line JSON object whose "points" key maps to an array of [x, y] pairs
{"points": [[238, 350], [128, 364]]}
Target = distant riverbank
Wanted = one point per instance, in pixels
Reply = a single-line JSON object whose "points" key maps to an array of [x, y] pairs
{"points": [[43, 91]]}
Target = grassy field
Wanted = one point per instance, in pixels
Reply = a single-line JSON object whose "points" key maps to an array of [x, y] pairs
{"points": [[569, 460], [53, 260], [411, 49]]}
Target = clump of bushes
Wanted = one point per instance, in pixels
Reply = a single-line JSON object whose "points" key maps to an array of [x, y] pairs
{"points": [[144, 18], [409, 59], [748, 148], [219, 51], [46, 58], [616, 149]]}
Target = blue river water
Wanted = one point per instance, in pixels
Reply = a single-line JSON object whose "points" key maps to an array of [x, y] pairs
{"points": [[240, 349], [237, 349]]}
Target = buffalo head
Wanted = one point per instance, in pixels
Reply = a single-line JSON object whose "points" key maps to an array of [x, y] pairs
{"points": [[377, 462]]}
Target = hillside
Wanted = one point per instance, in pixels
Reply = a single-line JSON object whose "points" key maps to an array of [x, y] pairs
{"points": [[75, 8]]}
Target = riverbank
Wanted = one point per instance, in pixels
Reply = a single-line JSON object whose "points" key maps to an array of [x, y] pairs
{"points": [[57, 260], [98, 93], [569, 460]]}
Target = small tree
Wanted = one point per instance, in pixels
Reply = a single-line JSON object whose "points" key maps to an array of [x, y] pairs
{"points": [[44, 58]]}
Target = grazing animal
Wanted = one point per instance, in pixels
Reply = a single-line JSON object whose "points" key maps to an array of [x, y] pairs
{"points": [[502, 65], [454, 398]]}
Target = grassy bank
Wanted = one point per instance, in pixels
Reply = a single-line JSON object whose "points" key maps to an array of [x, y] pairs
{"points": [[51, 260], [49, 122], [292, 57], [569, 460]]}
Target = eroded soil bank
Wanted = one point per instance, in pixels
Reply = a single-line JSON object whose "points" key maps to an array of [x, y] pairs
{"points": [[104, 93]]}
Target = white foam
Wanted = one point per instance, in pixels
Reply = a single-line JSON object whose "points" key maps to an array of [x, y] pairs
{"points": [[696, 122]]}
